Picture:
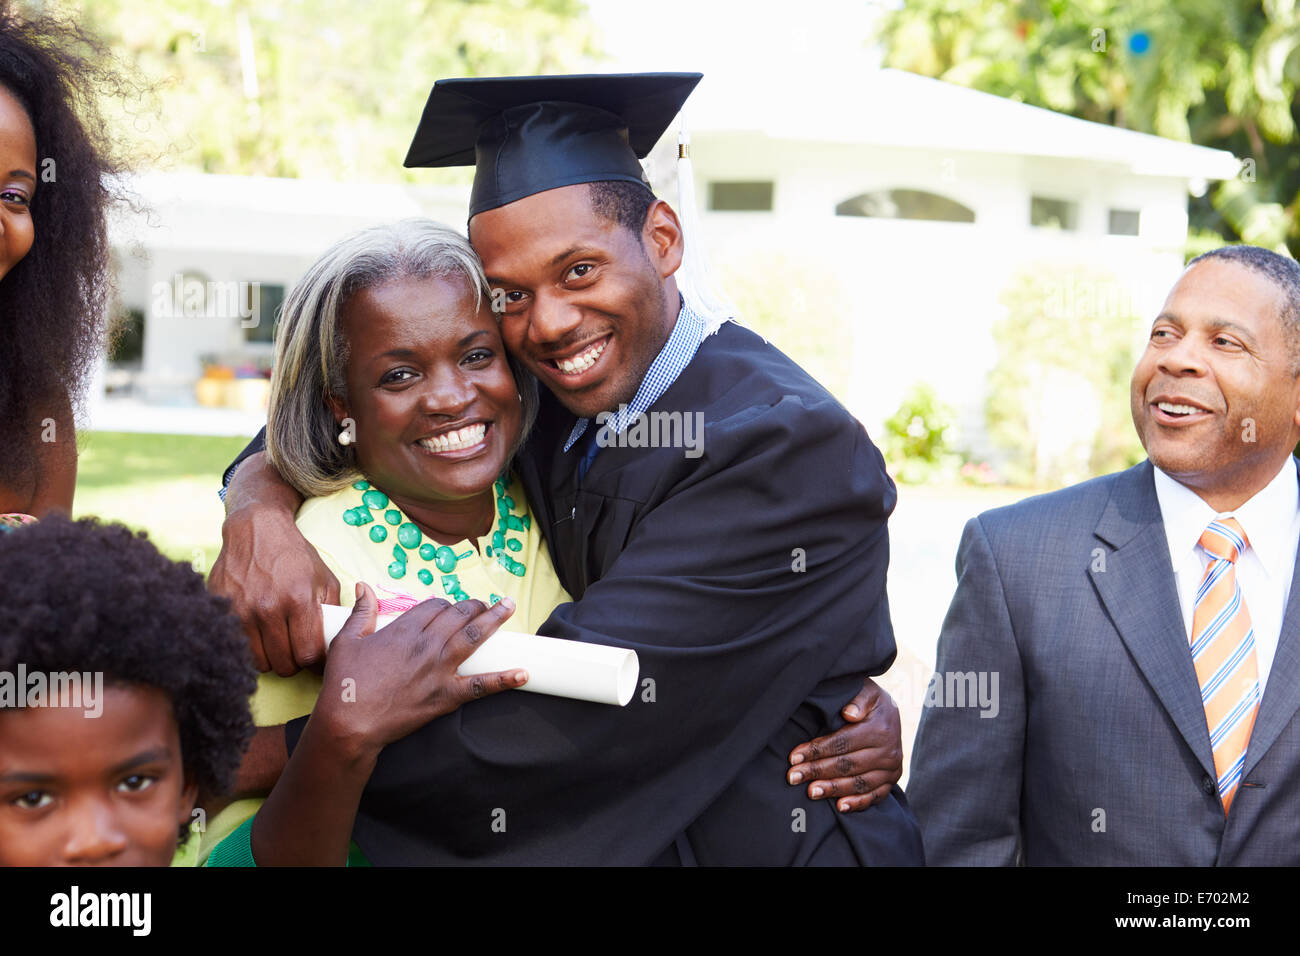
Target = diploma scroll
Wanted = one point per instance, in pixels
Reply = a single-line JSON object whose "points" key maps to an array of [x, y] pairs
{"points": [[594, 672]]}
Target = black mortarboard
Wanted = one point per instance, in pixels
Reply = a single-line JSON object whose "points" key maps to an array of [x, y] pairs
{"points": [[527, 134]]}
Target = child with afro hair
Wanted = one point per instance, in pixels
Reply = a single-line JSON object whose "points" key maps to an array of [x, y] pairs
{"points": [[161, 676]]}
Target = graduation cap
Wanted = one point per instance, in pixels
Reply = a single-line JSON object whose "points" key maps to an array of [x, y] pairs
{"points": [[528, 134]]}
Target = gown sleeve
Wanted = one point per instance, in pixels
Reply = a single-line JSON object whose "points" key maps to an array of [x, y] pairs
{"points": [[252, 448]]}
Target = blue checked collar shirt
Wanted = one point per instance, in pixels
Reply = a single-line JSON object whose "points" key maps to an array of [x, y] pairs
{"points": [[684, 341]]}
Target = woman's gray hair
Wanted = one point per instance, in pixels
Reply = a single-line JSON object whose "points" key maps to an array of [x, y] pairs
{"points": [[311, 350]]}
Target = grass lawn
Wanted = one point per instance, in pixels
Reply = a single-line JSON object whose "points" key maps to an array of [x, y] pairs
{"points": [[163, 484], [166, 485]]}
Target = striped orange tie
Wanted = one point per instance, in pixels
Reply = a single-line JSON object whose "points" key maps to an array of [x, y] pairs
{"points": [[1223, 650]]}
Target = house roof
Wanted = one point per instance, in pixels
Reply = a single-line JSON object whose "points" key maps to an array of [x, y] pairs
{"points": [[886, 107], [866, 106], [269, 215]]}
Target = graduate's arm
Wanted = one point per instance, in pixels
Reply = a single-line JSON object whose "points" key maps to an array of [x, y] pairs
{"points": [[256, 444], [968, 764], [378, 686], [273, 577]]}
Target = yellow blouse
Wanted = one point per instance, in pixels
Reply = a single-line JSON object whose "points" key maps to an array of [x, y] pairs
{"points": [[360, 535]]}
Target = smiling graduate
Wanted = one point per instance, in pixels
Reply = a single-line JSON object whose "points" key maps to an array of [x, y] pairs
{"points": [[747, 572]]}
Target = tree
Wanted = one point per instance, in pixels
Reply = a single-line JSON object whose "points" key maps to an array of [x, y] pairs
{"points": [[313, 88], [1219, 73], [1058, 398]]}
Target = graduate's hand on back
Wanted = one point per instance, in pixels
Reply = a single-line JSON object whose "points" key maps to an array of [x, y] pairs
{"points": [[273, 577], [381, 685], [859, 763]]}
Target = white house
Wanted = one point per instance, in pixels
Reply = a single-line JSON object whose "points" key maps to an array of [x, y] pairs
{"points": [[207, 261], [922, 200], [887, 214]]}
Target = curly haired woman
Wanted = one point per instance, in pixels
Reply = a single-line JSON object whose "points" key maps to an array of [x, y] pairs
{"points": [[56, 168]]}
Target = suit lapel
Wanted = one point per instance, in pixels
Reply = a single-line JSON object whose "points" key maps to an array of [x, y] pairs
{"points": [[1136, 584], [1282, 695]]}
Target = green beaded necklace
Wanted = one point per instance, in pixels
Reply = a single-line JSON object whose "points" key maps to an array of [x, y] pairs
{"points": [[410, 537]]}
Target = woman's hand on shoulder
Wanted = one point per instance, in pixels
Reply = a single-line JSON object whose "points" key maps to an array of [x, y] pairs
{"points": [[381, 685]]}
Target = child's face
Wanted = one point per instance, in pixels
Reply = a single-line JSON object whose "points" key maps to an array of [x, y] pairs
{"points": [[107, 790]]}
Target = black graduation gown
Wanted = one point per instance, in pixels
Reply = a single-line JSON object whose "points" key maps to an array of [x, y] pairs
{"points": [[751, 582]]}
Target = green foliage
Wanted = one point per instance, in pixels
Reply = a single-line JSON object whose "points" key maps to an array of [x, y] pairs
{"points": [[916, 441], [163, 484], [1219, 73], [314, 88], [797, 305], [1058, 393], [1200, 241]]}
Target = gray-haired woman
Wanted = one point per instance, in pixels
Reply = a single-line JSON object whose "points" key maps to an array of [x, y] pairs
{"points": [[395, 411]]}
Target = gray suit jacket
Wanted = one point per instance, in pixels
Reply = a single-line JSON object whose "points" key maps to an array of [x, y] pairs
{"points": [[1098, 752]]}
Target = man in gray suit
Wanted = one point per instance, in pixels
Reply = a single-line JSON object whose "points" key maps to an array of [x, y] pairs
{"points": [[1087, 611]]}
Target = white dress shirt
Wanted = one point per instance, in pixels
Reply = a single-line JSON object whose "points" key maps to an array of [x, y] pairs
{"points": [[1271, 520]]}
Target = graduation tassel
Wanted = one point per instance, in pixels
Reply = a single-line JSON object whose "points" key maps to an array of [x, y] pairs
{"points": [[693, 278]]}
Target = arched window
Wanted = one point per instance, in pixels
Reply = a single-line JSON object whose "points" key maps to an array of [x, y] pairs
{"points": [[905, 204]]}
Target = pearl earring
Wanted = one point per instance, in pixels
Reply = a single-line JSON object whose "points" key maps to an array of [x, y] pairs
{"points": [[345, 437]]}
